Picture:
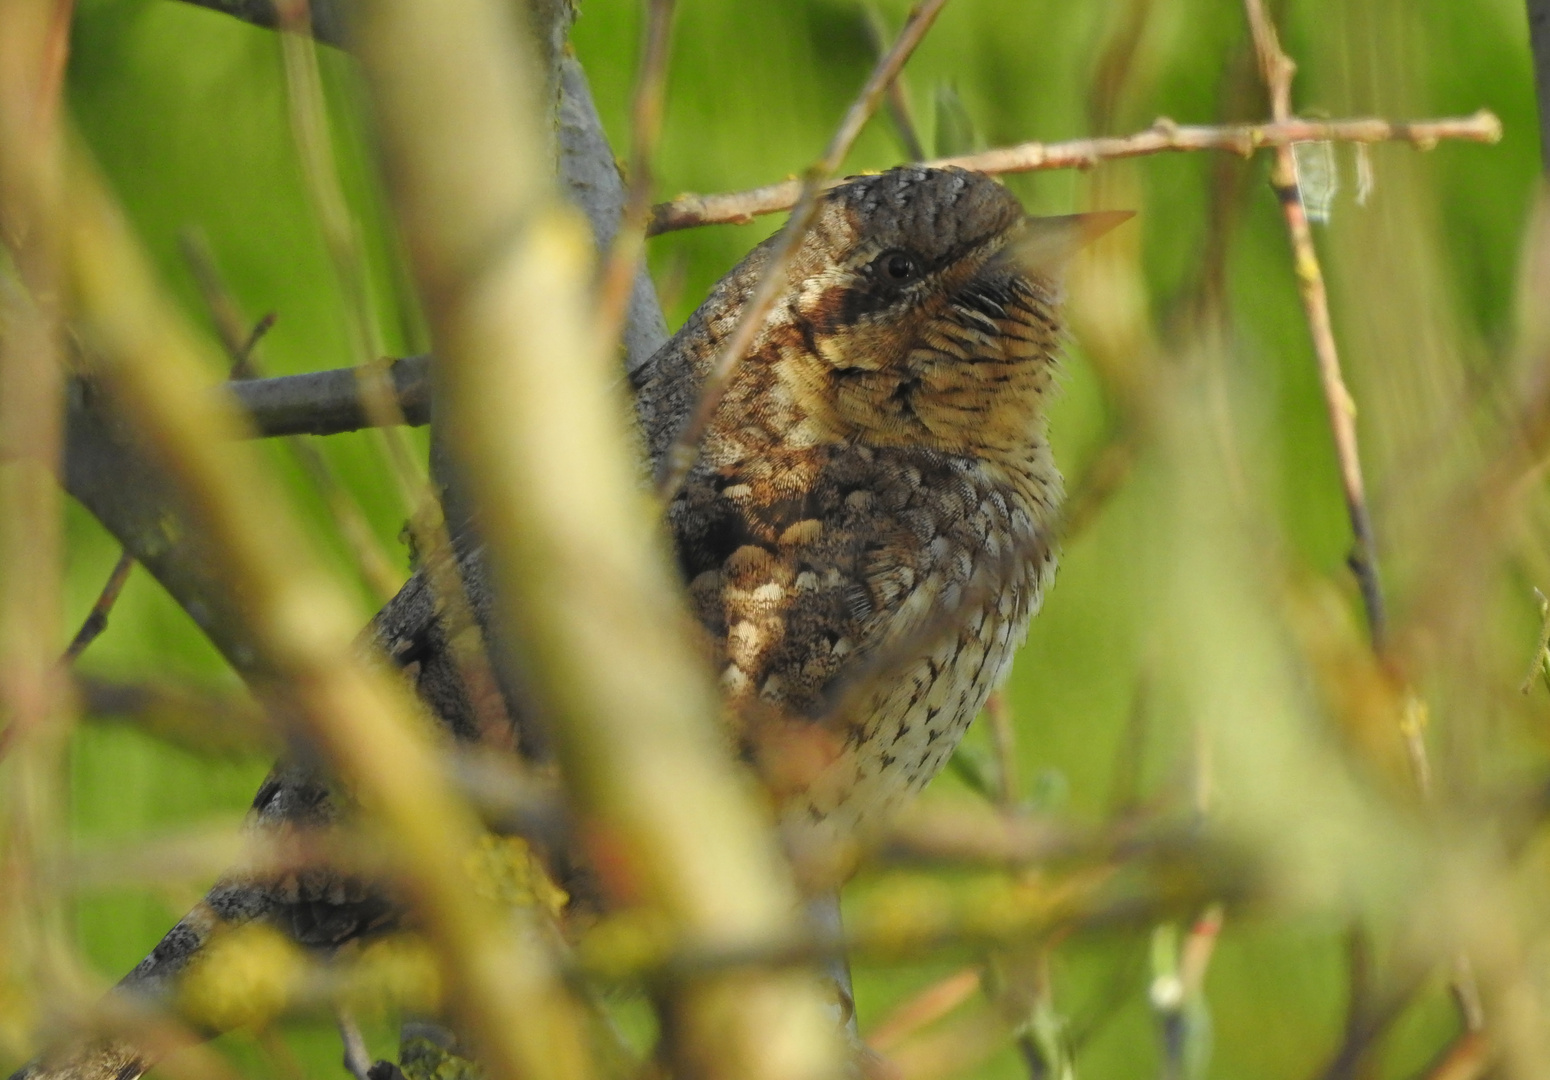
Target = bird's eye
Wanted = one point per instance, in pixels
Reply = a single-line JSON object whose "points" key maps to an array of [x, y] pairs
{"points": [[899, 266]]}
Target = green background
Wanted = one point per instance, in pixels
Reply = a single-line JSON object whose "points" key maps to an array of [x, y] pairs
{"points": [[186, 112]]}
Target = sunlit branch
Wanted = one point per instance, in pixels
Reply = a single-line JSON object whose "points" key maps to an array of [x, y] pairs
{"points": [[1164, 136], [680, 455]]}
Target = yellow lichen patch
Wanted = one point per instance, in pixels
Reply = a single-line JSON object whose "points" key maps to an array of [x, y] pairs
{"points": [[505, 870], [423, 1059], [246, 976]]}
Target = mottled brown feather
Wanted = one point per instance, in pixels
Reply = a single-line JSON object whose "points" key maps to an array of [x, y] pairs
{"points": [[869, 526]]}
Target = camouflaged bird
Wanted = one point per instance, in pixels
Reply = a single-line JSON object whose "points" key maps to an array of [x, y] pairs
{"points": [[871, 522], [868, 530]]}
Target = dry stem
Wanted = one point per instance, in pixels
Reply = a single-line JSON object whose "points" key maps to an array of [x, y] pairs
{"points": [[427, 523], [683, 451], [1164, 136]]}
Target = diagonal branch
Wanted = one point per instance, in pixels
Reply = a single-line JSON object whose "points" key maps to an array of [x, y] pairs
{"points": [[624, 256], [1164, 136], [1277, 70], [681, 454]]}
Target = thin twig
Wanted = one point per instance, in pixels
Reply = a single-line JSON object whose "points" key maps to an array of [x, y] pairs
{"points": [[617, 280], [1277, 70], [898, 101], [231, 326], [1469, 1057], [241, 346], [681, 455], [242, 369], [925, 1008], [1177, 995], [1164, 136], [97, 619]]}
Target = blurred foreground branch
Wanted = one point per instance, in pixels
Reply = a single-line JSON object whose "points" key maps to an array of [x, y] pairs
{"points": [[504, 269], [1164, 136], [300, 634]]}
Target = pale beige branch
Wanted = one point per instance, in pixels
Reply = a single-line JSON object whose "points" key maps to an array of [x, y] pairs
{"points": [[1164, 136], [505, 270]]}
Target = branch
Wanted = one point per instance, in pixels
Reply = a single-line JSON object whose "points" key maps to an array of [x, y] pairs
{"points": [[1277, 69], [588, 599], [97, 619], [329, 402], [1164, 136], [681, 454]]}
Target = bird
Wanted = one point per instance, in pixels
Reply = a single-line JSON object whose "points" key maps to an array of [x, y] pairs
{"points": [[870, 524], [872, 519]]}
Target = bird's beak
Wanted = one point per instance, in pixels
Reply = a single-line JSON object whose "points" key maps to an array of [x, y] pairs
{"points": [[1047, 244]]}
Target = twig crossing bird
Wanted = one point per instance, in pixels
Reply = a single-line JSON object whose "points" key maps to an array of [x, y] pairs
{"points": [[871, 522]]}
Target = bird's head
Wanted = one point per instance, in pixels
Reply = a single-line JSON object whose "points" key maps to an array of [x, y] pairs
{"points": [[924, 312]]}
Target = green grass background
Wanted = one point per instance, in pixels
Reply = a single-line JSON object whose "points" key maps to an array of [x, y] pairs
{"points": [[186, 112]]}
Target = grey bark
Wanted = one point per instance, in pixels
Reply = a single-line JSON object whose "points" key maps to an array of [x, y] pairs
{"points": [[329, 402]]}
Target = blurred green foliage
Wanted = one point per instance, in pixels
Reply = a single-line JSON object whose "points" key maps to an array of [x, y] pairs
{"points": [[186, 112]]}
